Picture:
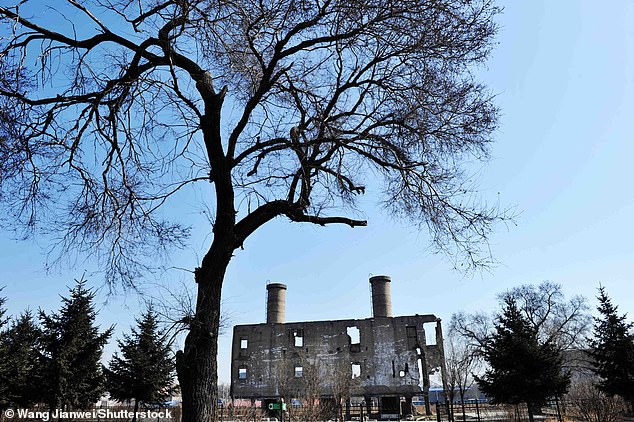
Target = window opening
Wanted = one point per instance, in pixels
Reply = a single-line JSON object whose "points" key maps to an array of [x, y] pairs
{"points": [[299, 371], [412, 337], [299, 338], [355, 336], [243, 343], [242, 373], [411, 332], [356, 370], [430, 333], [421, 380]]}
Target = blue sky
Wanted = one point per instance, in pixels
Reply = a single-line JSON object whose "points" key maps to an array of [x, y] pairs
{"points": [[564, 78]]}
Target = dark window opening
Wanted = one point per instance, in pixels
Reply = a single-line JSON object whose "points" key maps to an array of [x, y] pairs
{"points": [[412, 337], [411, 332]]}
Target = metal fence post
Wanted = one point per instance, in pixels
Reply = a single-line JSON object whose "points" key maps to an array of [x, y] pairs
{"points": [[477, 410], [437, 412]]}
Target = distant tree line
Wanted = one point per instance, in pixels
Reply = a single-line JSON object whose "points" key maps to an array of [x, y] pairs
{"points": [[54, 359], [541, 346]]}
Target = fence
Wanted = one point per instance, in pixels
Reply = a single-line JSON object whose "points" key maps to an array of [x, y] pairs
{"points": [[554, 411]]}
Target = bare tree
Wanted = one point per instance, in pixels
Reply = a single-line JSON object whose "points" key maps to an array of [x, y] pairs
{"points": [[474, 328], [585, 401], [462, 362], [112, 109], [343, 384], [558, 320], [301, 378], [310, 390]]}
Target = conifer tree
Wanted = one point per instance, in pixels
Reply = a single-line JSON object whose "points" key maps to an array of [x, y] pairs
{"points": [[72, 346], [144, 372], [20, 358], [3, 311], [522, 370], [612, 349], [3, 364]]}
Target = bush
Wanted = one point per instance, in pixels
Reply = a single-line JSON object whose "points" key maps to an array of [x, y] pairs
{"points": [[591, 405]]}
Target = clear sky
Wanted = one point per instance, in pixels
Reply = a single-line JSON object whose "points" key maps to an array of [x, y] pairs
{"points": [[563, 73]]}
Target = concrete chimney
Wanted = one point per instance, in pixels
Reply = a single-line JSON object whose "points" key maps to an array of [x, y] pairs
{"points": [[381, 296], [275, 303]]}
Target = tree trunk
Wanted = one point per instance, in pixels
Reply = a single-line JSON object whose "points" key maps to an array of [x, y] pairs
{"points": [[197, 364], [136, 409], [529, 407]]}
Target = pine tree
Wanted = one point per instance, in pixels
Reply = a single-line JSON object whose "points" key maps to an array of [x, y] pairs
{"points": [[21, 358], [3, 311], [72, 346], [522, 370], [3, 361], [612, 349], [145, 370]]}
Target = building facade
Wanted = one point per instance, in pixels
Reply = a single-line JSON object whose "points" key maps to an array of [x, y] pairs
{"points": [[379, 359]]}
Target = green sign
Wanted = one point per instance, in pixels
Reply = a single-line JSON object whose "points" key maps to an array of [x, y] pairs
{"points": [[276, 406]]}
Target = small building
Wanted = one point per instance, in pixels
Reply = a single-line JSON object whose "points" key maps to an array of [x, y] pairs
{"points": [[380, 359]]}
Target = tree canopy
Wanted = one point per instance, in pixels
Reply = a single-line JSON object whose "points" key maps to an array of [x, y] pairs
{"points": [[3, 311], [560, 321], [521, 368], [612, 350], [145, 369], [103, 125], [20, 363], [109, 110], [4, 367], [72, 345]]}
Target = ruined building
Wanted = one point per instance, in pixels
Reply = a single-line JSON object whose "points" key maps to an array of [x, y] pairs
{"points": [[382, 358]]}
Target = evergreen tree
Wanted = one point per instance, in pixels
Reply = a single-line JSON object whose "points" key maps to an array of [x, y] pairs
{"points": [[145, 370], [20, 358], [613, 350], [3, 361], [3, 311], [72, 346], [522, 370]]}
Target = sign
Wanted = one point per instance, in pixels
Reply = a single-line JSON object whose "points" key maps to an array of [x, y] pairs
{"points": [[277, 406]]}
